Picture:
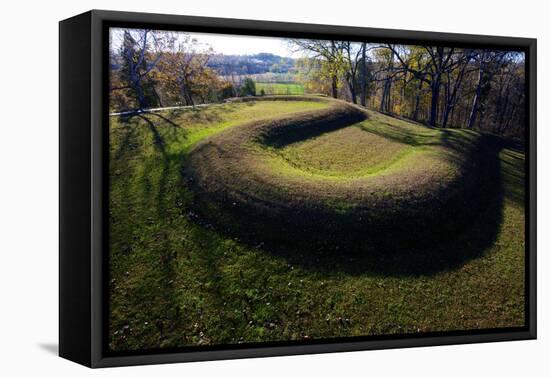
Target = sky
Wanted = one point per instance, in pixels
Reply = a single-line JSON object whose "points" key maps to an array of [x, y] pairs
{"points": [[228, 44], [240, 45]]}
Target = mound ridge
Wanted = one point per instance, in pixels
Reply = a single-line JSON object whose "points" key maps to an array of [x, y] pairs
{"points": [[243, 185]]}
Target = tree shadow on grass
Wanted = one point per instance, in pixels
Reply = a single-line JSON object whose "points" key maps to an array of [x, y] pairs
{"points": [[162, 257], [206, 114], [398, 251], [127, 144], [445, 248], [155, 294], [158, 140], [379, 258], [425, 240]]}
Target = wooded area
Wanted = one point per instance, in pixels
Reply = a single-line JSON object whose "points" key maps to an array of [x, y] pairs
{"points": [[441, 86]]}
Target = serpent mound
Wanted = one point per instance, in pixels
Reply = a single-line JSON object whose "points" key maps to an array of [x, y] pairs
{"points": [[339, 173]]}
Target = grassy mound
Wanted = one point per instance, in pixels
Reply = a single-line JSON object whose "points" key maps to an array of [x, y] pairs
{"points": [[340, 173], [175, 280]]}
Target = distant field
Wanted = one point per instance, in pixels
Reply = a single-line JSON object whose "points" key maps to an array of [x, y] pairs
{"points": [[266, 77], [280, 88]]}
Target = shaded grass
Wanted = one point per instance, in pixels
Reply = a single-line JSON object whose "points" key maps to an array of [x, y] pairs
{"points": [[177, 281]]}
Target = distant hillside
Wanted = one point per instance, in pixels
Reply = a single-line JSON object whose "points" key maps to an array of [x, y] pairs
{"points": [[250, 64]]}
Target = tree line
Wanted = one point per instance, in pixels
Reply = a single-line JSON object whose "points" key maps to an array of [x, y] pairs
{"points": [[155, 69], [478, 89], [441, 86], [253, 64]]}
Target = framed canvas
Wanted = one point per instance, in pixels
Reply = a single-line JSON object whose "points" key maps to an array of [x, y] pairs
{"points": [[236, 188]]}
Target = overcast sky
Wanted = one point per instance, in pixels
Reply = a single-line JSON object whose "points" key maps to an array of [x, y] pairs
{"points": [[230, 44], [244, 45]]}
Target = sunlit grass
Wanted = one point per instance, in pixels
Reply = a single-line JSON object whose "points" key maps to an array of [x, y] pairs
{"points": [[178, 282], [280, 88]]}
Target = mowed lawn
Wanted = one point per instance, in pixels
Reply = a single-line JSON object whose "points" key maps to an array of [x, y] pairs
{"points": [[175, 281], [280, 88]]}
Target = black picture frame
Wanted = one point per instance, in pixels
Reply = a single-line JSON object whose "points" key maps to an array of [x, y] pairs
{"points": [[83, 248]]}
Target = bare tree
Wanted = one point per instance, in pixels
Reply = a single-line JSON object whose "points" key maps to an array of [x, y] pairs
{"points": [[488, 63], [363, 83], [352, 56], [386, 93], [141, 50], [440, 62], [454, 82], [330, 52]]}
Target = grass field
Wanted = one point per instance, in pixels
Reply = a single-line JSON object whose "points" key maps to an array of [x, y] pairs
{"points": [[280, 88], [177, 280]]}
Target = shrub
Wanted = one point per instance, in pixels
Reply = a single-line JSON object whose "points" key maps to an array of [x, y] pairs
{"points": [[248, 88]]}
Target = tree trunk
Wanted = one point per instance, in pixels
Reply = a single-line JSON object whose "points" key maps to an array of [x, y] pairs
{"points": [[436, 86], [386, 94], [453, 94], [502, 108], [509, 120], [352, 92], [142, 101], [364, 75], [447, 105], [481, 117], [385, 103], [475, 103], [159, 100], [450, 102], [383, 98], [417, 100], [186, 95], [334, 86], [402, 100]]}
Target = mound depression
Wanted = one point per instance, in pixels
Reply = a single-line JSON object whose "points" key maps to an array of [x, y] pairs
{"points": [[339, 173]]}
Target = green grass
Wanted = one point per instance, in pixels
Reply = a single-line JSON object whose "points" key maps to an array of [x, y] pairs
{"points": [[347, 152], [177, 281], [378, 145], [339, 176], [280, 88]]}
